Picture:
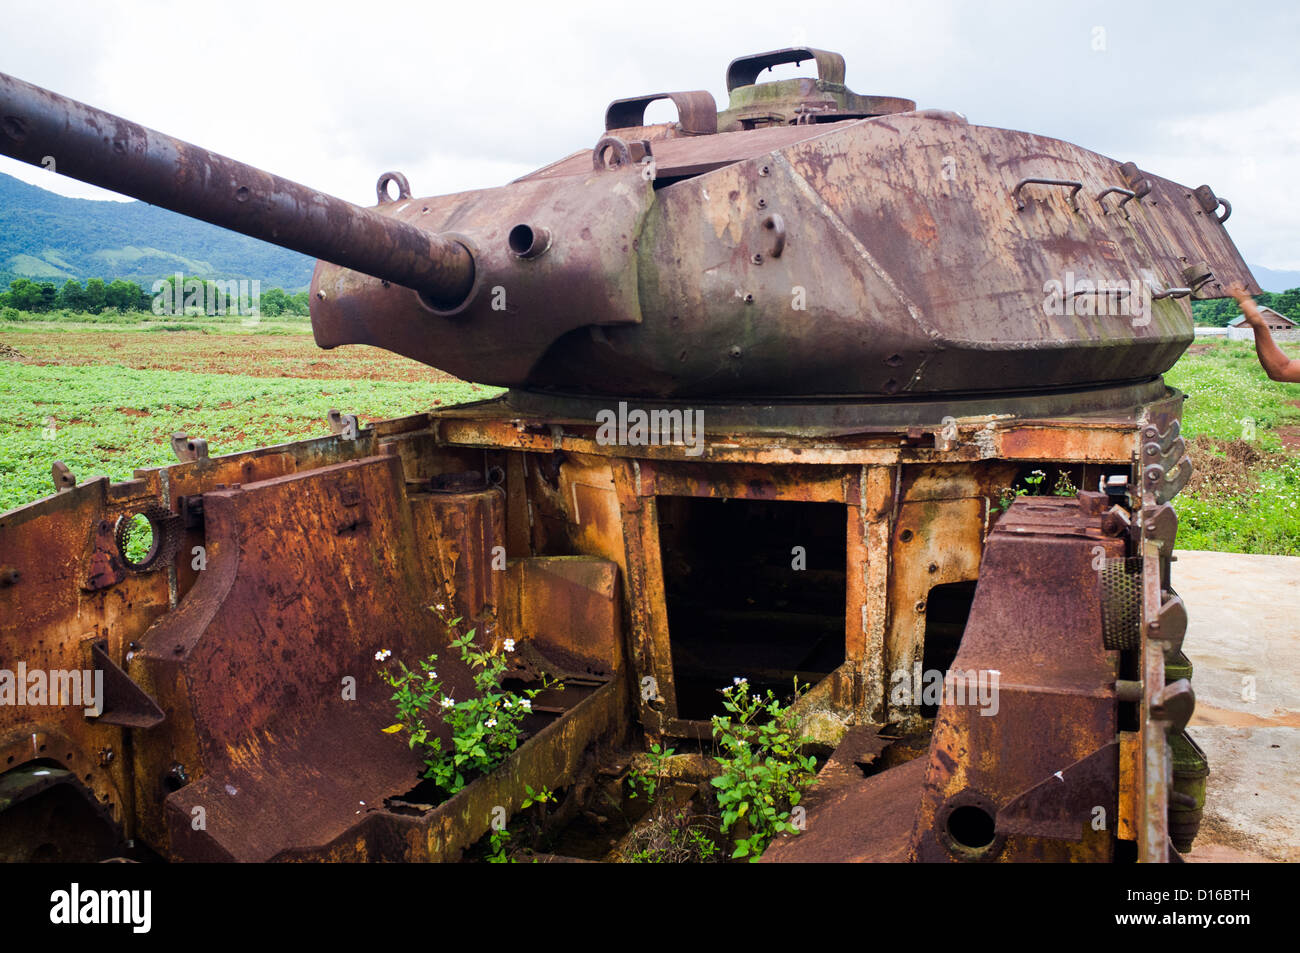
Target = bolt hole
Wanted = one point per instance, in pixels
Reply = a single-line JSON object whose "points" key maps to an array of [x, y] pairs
{"points": [[905, 535], [971, 827]]}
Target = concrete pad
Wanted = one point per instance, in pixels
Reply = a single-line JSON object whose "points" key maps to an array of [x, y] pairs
{"points": [[1243, 639]]}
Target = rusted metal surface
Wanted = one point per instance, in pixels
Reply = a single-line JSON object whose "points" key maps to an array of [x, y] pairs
{"points": [[1036, 620], [801, 101], [697, 114], [740, 264], [296, 524], [728, 273]]}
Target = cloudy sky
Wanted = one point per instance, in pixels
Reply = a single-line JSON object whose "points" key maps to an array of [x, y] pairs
{"points": [[468, 95]]}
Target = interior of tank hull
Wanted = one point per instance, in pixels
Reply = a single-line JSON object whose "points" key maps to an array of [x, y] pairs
{"points": [[644, 576]]}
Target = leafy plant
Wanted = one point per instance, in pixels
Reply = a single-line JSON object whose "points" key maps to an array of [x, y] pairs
{"points": [[485, 728], [648, 784], [764, 772], [1064, 485], [497, 840], [1033, 487]]}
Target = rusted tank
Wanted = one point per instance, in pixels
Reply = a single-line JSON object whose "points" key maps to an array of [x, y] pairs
{"points": [[815, 322]]}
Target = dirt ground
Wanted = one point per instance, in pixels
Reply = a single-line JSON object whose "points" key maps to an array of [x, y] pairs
{"points": [[256, 355]]}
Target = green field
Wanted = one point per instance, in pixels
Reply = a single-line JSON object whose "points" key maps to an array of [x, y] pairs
{"points": [[104, 396], [1244, 437], [66, 398]]}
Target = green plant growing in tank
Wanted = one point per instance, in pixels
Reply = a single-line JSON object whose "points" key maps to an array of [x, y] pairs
{"points": [[763, 772], [485, 728], [1033, 487], [648, 784]]}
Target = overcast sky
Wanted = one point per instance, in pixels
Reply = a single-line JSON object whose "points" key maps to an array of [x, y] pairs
{"points": [[471, 94]]}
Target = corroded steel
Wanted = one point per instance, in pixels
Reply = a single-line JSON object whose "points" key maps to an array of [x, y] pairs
{"points": [[861, 324], [857, 247]]}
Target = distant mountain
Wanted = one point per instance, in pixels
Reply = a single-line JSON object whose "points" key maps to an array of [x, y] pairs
{"points": [[49, 237], [1271, 280]]}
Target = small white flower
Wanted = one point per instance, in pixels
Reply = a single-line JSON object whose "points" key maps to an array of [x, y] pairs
{"points": [[506, 704], [382, 654], [525, 704], [449, 703], [433, 674], [510, 645], [739, 681], [440, 607], [491, 722]]}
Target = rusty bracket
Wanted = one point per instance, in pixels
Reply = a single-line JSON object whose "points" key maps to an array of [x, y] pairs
{"points": [[63, 478], [123, 701], [1163, 455], [189, 450], [697, 112], [1210, 203], [611, 153], [1197, 276], [1060, 806], [1151, 433], [745, 70], [1160, 524], [345, 425], [1174, 703], [1136, 180], [1166, 484]]}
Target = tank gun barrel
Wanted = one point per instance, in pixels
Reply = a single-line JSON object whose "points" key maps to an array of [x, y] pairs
{"points": [[45, 129]]}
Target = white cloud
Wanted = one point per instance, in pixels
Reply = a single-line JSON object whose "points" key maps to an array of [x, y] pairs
{"points": [[470, 95]]}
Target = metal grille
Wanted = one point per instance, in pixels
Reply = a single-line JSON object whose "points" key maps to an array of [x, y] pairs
{"points": [[1121, 603]]}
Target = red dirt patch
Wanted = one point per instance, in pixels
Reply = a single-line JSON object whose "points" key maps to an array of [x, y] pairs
{"points": [[253, 355], [133, 412], [1229, 467], [1290, 437]]}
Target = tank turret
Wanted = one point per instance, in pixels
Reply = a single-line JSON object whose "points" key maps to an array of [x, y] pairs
{"points": [[805, 242]]}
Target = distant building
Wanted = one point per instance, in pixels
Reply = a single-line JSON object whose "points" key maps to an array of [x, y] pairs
{"points": [[1283, 328]]}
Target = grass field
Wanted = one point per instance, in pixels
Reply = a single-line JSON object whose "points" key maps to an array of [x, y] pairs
{"points": [[1243, 432], [105, 396], [108, 401]]}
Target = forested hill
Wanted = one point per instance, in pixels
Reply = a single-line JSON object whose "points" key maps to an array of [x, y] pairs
{"points": [[49, 237]]}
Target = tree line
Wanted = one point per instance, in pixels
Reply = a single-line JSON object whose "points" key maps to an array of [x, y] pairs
{"points": [[1221, 312], [98, 296]]}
